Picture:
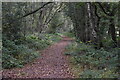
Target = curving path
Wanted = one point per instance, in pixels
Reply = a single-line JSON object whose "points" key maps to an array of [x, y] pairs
{"points": [[52, 64]]}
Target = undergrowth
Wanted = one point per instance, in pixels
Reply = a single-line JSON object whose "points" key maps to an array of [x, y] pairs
{"points": [[93, 63], [68, 34], [21, 51]]}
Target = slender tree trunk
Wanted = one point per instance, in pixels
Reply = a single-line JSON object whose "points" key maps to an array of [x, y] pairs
{"points": [[119, 32], [87, 31], [40, 26], [112, 30], [97, 29]]}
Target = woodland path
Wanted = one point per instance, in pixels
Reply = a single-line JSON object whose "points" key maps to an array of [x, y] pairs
{"points": [[52, 64]]}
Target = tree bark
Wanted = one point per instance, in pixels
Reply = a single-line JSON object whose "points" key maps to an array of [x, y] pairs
{"points": [[91, 16], [112, 30]]}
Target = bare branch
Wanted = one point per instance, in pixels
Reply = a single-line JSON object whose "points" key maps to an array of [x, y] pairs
{"points": [[57, 10], [48, 14]]}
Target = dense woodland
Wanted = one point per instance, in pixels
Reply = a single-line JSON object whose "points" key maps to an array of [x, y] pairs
{"points": [[28, 27]]}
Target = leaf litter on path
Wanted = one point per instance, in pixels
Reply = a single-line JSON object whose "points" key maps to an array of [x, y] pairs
{"points": [[53, 64]]}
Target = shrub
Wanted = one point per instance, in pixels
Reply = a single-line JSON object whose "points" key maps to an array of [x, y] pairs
{"points": [[36, 43], [16, 55], [94, 60], [8, 61], [68, 34], [53, 37], [108, 43], [21, 51]]}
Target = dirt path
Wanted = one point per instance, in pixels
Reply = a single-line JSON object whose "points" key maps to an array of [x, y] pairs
{"points": [[52, 64]]}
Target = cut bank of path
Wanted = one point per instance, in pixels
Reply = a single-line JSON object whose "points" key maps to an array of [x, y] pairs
{"points": [[52, 64]]}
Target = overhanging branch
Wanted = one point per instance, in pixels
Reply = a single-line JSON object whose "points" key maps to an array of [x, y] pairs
{"points": [[31, 12], [36, 10], [100, 5]]}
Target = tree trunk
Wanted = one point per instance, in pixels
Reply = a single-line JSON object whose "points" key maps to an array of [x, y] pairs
{"points": [[112, 30], [92, 25], [97, 29], [119, 32]]}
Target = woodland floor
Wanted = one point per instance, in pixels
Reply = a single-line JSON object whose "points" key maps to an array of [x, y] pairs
{"points": [[52, 64]]}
